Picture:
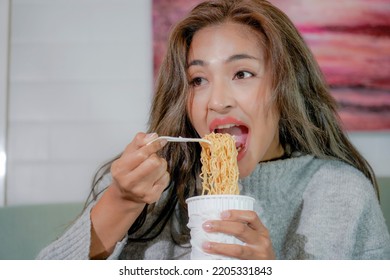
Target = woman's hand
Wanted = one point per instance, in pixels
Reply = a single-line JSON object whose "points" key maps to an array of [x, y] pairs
{"points": [[246, 226], [140, 175]]}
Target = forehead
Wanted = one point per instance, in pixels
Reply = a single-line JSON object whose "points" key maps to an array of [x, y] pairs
{"points": [[225, 39]]}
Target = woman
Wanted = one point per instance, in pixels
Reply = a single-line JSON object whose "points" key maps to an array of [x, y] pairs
{"points": [[237, 67]]}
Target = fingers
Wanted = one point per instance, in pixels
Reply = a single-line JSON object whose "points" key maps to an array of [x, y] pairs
{"points": [[238, 229], [138, 151], [148, 181], [150, 170], [162, 183], [245, 226], [244, 216], [229, 250], [242, 252], [140, 174]]}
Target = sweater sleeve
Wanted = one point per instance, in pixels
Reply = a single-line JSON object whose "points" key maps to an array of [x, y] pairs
{"points": [[341, 217], [75, 243]]}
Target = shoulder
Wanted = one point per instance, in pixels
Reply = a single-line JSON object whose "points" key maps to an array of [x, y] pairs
{"points": [[337, 181], [342, 204], [339, 193]]}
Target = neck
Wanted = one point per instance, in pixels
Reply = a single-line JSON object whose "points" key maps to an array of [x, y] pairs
{"points": [[277, 153]]}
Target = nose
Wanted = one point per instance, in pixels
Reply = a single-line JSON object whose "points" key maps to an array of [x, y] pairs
{"points": [[221, 97]]}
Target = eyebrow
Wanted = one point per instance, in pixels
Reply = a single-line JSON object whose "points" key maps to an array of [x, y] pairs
{"points": [[232, 58]]}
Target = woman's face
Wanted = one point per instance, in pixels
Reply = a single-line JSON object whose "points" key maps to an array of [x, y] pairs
{"points": [[230, 92]]}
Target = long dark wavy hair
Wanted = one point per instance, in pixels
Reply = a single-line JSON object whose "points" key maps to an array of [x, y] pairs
{"points": [[308, 119]]}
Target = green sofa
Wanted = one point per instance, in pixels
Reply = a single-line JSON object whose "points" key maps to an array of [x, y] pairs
{"points": [[25, 230]]}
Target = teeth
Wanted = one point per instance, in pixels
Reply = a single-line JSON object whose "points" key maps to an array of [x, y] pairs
{"points": [[225, 126]]}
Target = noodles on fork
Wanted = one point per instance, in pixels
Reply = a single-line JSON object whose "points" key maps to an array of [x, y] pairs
{"points": [[219, 171]]}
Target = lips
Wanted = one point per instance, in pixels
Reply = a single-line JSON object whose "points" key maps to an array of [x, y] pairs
{"points": [[237, 129]]}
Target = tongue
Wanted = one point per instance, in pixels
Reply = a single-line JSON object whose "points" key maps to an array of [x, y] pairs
{"points": [[240, 134]]}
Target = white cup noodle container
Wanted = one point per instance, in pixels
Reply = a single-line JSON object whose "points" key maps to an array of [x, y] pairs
{"points": [[209, 207]]}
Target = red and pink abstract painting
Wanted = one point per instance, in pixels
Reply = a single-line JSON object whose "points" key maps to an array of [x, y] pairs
{"points": [[350, 40]]}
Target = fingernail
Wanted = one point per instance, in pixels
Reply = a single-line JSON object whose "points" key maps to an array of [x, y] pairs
{"points": [[207, 226], [225, 215], [206, 246], [151, 135], [163, 142]]}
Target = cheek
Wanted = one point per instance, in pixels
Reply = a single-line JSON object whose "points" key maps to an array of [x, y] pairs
{"points": [[267, 121], [191, 110], [262, 107], [265, 128], [254, 99], [196, 111]]}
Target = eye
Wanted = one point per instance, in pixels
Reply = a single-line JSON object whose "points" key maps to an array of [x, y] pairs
{"points": [[198, 81], [243, 75]]}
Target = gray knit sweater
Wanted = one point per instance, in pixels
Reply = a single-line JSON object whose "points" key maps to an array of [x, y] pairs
{"points": [[313, 209]]}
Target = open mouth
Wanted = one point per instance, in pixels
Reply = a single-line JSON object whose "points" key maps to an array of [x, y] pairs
{"points": [[239, 133]]}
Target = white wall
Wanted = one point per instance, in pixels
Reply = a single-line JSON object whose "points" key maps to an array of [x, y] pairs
{"points": [[375, 147], [80, 87], [4, 39]]}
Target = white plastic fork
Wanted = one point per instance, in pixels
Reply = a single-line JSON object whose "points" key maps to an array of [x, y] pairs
{"points": [[180, 139]]}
